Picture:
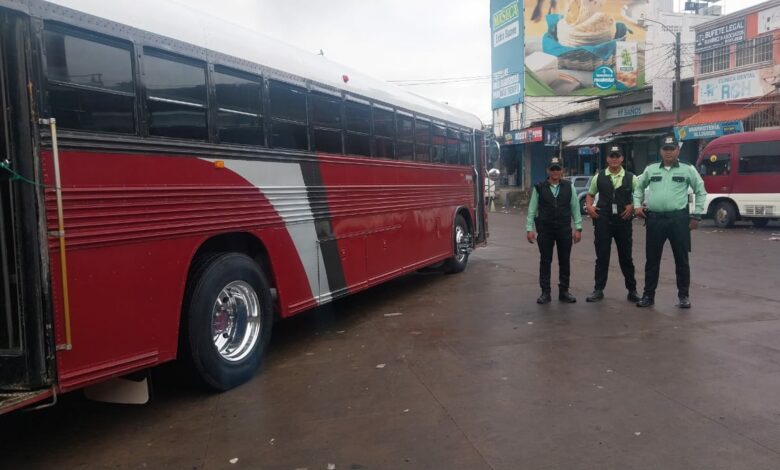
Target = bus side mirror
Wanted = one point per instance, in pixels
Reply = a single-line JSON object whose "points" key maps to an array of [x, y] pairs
{"points": [[494, 174]]}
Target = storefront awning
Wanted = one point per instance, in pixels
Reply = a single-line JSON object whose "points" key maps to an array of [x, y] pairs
{"points": [[601, 134], [651, 122], [722, 113]]}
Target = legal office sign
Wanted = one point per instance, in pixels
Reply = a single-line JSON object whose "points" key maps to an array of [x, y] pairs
{"points": [[722, 35]]}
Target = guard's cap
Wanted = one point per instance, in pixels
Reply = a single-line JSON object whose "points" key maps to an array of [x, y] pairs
{"points": [[615, 150], [670, 141], [555, 162]]}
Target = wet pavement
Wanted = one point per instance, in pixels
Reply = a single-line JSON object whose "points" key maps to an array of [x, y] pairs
{"points": [[467, 372]]}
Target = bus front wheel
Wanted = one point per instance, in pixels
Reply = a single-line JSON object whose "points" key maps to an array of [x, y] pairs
{"points": [[461, 238], [725, 214], [228, 319]]}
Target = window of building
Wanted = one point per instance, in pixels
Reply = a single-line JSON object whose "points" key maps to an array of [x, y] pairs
{"points": [[714, 60], [754, 50], [759, 157], [326, 122], [239, 105], [90, 81], [176, 95], [358, 117], [288, 116], [422, 140]]}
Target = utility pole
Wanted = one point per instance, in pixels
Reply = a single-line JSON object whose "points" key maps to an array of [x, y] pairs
{"points": [[677, 104]]}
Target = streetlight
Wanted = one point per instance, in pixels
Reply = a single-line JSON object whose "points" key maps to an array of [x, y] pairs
{"points": [[641, 22]]}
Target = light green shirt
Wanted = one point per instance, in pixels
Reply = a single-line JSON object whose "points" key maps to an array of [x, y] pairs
{"points": [[617, 180], [668, 189], [533, 208]]}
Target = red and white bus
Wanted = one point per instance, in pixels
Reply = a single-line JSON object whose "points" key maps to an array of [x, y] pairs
{"points": [[172, 184], [741, 174]]}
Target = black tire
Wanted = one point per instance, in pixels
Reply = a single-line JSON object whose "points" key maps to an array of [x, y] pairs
{"points": [[760, 222], [457, 263], [235, 276], [725, 214], [583, 211]]}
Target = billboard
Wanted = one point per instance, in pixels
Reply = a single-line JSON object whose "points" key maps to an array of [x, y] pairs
{"points": [[506, 24], [584, 47]]}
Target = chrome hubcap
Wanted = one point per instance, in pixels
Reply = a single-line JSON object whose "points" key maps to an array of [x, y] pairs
{"points": [[235, 321], [721, 215], [459, 234]]}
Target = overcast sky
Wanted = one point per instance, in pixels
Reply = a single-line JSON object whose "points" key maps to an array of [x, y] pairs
{"points": [[390, 39]]}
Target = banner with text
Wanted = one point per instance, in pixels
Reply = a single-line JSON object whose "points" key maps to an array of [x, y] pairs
{"points": [[708, 131], [743, 85], [584, 47], [507, 52]]}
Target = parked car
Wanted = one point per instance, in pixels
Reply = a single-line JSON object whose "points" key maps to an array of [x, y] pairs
{"points": [[581, 184]]}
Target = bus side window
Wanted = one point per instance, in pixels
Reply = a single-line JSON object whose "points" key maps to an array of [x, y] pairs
{"points": [[759, 157], [90, 84], [239, 106], [326, 123], [453, 146], [384, 133], [176, 103], [404, 149], [289, 127], [358, 117], [465, 155], [438, 142], [422, 140]]}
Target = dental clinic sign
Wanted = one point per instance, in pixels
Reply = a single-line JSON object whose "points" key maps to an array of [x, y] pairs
{"points": [[732, 87]]}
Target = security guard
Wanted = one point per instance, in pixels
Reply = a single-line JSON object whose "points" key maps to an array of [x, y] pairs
{"points": [[668, 218], [612, 218], [552, 207]]}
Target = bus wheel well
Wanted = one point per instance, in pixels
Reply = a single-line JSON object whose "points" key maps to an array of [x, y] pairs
{"points": [[714, 204], [238, 242], [463, 212]]}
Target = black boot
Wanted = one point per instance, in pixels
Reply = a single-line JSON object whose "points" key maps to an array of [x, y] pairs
{"points": [[544, 298], [633, 296], [645, 301], [595, 296], [566, 297], [685, 302]]}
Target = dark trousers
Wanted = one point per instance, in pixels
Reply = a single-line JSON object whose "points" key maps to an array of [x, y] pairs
{"points": [[547, 238], [672, 226], [606, 228]]}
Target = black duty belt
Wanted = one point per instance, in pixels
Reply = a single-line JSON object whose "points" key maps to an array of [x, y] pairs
{"points": [[667, 214]]}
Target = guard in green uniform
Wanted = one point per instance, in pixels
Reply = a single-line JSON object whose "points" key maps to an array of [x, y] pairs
{"points": [[552, 207], [668, 217], [612, 217]]}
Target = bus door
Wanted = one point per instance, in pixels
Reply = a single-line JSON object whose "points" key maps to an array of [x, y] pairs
{"points": [[479, 187], [26, 355]]}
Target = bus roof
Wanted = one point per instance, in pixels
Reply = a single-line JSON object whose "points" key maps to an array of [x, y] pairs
{"points": [[742, 137], [195, 27]]}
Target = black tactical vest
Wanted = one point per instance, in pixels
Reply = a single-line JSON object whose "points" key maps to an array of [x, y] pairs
{"points": [[553, 212], [622, 195]]}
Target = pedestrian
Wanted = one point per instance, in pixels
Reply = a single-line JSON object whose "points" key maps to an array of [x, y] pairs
{"points": [[612, 218], [490, 192], [552, 207], [668, 217]]}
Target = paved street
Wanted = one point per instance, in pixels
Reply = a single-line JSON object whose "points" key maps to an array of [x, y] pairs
{"points": [[467, 372]]}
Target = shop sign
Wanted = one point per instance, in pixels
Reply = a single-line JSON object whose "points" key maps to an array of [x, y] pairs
{"points": [[721, 36], [628, 111], [524, 136], [587, 151], [708, 131], [768, 20], [507, 52], [733, 87]]}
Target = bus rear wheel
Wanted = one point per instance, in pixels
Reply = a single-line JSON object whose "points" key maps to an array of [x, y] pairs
{"points": [[228, 320], [725, 214], [461, 237]]}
